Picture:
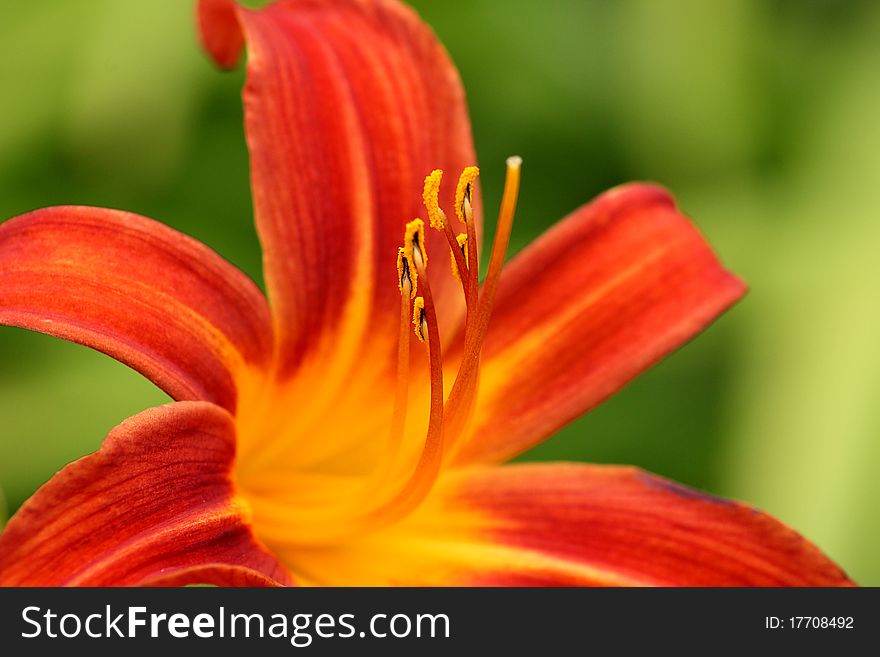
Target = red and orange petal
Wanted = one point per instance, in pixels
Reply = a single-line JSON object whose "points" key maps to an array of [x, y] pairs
{"points": [[592, 303], [154, 506], [348, 106], [620, 525], [150, 297], [574, 525]]}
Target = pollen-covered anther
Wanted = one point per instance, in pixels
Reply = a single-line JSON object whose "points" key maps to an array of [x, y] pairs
{"points": [[461, 240], [437, 219], [414, 243], [431, 198], [407, 276], [420, 319], [464, 192]]}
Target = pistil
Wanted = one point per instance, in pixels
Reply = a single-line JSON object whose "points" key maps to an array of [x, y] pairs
{"points": [[464, 389]]}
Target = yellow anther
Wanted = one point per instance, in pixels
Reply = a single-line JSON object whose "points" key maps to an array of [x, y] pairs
{"points": [[431, 198], [407, 276], [461, 238], [414, 243], [464, 194], [462, 244], [420, 322]]}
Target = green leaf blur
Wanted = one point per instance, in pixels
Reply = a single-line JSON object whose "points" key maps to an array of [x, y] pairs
{"points": [[761, 116]]}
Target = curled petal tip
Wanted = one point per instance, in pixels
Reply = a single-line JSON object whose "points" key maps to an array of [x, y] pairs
{"points": [[219, 31]]}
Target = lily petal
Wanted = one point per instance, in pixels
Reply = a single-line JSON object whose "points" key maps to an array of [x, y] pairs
{"points": [[577, 525], [148, 296], [595, 301], [155, 505], [620, 525], [349, 105]]}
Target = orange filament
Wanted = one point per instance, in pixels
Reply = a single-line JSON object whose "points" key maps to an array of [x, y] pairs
{"points": [[422, 479]]}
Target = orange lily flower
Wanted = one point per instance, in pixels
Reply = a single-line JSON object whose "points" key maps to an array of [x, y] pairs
{"points": [[350, 430]]}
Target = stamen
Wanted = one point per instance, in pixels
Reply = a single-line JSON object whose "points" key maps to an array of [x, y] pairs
{"points": [[437, 219], [465, 388], [407, 278], [414, 244], [428, 467], [462, 395], [403, 479], [464, 194]]}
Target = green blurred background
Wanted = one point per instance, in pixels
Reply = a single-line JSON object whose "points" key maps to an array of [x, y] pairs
{"points": [[761, 116]]}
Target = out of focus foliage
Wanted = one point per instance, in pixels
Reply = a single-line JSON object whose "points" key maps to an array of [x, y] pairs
{"points": [[760, 115]]}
